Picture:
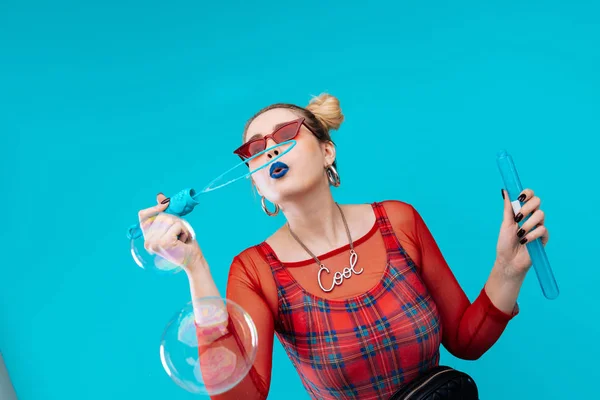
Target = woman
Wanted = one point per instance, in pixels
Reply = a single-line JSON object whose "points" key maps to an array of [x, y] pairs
{"points": [[359, 295]]}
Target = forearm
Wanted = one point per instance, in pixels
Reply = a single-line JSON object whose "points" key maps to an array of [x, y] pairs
{"points": [[503, 290], [222, 340], [201, 281], [470, 329], [202, 285], [216, 340]]}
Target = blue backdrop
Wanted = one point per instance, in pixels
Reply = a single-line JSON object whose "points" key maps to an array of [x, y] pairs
{"points": [[103, 104]]}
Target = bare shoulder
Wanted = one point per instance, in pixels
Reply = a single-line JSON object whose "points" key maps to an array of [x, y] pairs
{"points": [[399, 213], [277, 238]]}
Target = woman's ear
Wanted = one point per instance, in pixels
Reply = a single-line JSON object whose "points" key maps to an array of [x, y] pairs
{"points": [[329, 153]]}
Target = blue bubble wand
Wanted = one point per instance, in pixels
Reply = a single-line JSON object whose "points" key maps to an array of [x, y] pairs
{"points": [[184, 201], [536, 250]]}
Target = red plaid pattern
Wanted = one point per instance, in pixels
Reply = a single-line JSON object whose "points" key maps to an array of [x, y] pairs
{"points": [[364, 347]]}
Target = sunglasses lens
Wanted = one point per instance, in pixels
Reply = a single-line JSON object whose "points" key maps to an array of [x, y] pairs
{"points": [[255, 147], [283, 134], [286, 133]]}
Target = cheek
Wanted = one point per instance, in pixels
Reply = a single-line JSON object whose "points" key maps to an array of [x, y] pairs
{"points": [[306, 151], [260, 178]]}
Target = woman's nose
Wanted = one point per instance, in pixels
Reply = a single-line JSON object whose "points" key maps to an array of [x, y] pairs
{"points": [[274, 152]]}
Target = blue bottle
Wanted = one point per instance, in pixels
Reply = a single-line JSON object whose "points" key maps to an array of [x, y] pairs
{"points": [[536, 250], [182, 203]]}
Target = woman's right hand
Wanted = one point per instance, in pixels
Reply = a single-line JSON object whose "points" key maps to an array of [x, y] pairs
{"points": [[169, 236]]}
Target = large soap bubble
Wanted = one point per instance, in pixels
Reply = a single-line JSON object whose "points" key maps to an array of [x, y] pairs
{"points": [[209, 346]]}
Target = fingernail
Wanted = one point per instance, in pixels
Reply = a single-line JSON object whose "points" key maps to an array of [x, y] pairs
{"points": [[521, 232], [165, 201], [502, 190], [523, 241], [519, 217], [522, 197]]}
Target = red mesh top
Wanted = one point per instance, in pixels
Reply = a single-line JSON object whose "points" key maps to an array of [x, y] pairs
{"points": [[376, 331]]}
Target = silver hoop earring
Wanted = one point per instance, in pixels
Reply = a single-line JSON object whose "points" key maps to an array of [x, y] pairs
{"points": [[333, 176], [266, 210]]}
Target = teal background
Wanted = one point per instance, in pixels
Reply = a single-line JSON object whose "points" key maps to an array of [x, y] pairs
{"points": [[103, 104]]}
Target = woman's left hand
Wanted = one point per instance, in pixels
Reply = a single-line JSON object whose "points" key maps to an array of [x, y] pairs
{"points": [[511, 251]]}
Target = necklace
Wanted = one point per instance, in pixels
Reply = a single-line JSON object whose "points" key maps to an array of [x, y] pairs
{"points": [[338, 277]]}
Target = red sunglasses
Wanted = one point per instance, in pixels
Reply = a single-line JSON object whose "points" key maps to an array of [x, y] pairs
{"points": [[283, 132]]}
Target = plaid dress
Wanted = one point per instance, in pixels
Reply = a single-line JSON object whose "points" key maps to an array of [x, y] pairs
{"points": [[367, 346]]}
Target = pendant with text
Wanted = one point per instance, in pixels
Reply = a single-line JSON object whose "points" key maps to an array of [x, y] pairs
{"points": [[339, 277]]}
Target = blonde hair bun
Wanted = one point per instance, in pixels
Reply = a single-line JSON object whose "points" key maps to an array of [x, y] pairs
{"points": [[327, 110]]}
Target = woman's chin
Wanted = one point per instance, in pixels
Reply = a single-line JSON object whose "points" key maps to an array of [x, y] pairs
{"points": [[287, 188]]}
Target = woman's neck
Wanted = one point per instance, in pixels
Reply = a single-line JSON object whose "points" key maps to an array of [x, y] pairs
{"points": [[316, 220]]}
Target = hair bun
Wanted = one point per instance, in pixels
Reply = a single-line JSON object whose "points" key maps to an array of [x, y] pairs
{"points": [[327, 110]]}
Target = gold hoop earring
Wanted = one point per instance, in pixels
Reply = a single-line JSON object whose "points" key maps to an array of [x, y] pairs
{"points": [[266, 210], [333, 176]]}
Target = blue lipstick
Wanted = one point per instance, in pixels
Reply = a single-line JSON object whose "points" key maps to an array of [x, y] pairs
{"points": [[278, 169]]}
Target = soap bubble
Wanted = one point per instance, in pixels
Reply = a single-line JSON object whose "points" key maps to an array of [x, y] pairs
{"points": [[169, 260], [209, 346]]}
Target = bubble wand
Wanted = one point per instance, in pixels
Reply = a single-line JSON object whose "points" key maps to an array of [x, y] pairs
{"points": [[184, 201], [536, 250]]}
